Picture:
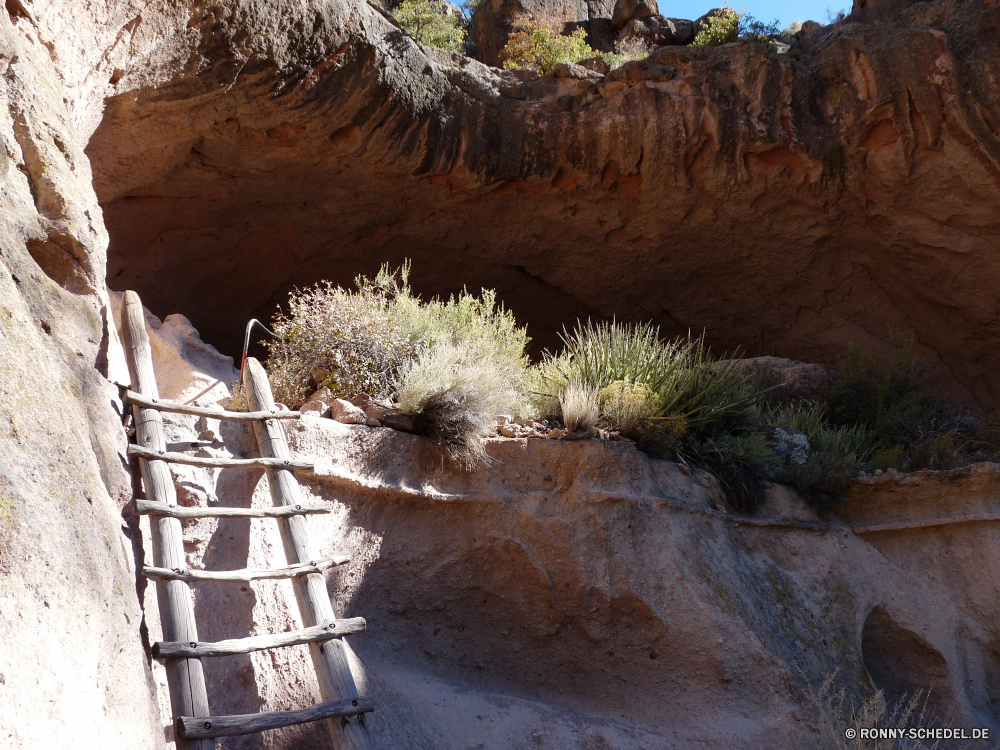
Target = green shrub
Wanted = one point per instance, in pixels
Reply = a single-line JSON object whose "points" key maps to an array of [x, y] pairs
{"points": [[880, 392], [628, 407], [538, 47], [686, 380], [433, 22], [721, 28], [454, 364], [728, 26], [627, 50]]}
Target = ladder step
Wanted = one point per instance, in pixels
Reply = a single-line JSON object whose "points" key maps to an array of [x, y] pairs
{"points": [[223, 463], [317, 634], [162, 404], [192, 728], [145, 507], [246, 574]]}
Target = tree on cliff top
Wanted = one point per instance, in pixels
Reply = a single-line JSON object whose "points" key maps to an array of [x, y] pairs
{"points": [[433, 22]]}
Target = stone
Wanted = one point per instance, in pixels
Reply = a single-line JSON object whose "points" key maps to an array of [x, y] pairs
{"points": [[323, 394], [318, 375], [315, 407], [556, 433], [572, 70], [347, 413], [596, 64], [626, 10], [397, 420], [808, 27]]}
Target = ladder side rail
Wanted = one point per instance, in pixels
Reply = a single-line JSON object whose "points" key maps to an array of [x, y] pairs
{"points": [[333, 669], [186, 677]]}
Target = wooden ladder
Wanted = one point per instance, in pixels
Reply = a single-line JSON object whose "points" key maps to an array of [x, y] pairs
{"points": [[194, 726]]}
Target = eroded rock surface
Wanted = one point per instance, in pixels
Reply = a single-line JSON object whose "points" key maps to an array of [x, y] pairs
{"points": [[788, 206], [562, 597], [73, 670]]}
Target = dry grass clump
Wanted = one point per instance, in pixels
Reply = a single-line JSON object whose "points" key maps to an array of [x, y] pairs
{"points": [[453, 364], [671, 397], [834, 713], [454, 392], [580, 404]]}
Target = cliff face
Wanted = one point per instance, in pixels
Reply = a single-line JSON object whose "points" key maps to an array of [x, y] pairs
{"points": [[788, 206], [566, 594], [241, 148], [72, 668]]}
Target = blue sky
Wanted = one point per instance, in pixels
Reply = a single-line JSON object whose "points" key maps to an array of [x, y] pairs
{"points": [[784, 10]]}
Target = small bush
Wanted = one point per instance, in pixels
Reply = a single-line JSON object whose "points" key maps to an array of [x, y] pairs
{"points": [[629, 407], [360, 338], [880, 392], [435, 23], [538, 47], [728, 26], [721, 28], [626, 50], [454, 364], [580, 406]]}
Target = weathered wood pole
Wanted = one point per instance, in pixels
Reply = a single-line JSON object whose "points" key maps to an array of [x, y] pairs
{"points": [[188, 695], [330, 659]]}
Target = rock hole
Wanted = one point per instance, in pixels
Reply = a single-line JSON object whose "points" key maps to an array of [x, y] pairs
{"points": [[15, 9], [901, 664], [46, 327]]}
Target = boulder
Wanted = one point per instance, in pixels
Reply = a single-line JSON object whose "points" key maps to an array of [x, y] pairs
{"points": [[658, 31], [315, 407], [397, 420], [596, 64], [347, 413], [626, 10], [572, 70]]}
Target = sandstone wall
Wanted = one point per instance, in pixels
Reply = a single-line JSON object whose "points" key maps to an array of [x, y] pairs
{"points": [[73, 669], [581, 595], [788, 206]]}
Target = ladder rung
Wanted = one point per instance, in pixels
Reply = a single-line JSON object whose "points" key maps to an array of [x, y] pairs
{"points": [[146, 507], [317, 634], [223, 463], [247, 574], [192, 728], [162, 404]]}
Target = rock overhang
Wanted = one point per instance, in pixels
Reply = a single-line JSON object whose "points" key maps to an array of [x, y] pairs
{"points": [[787, 206]]}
